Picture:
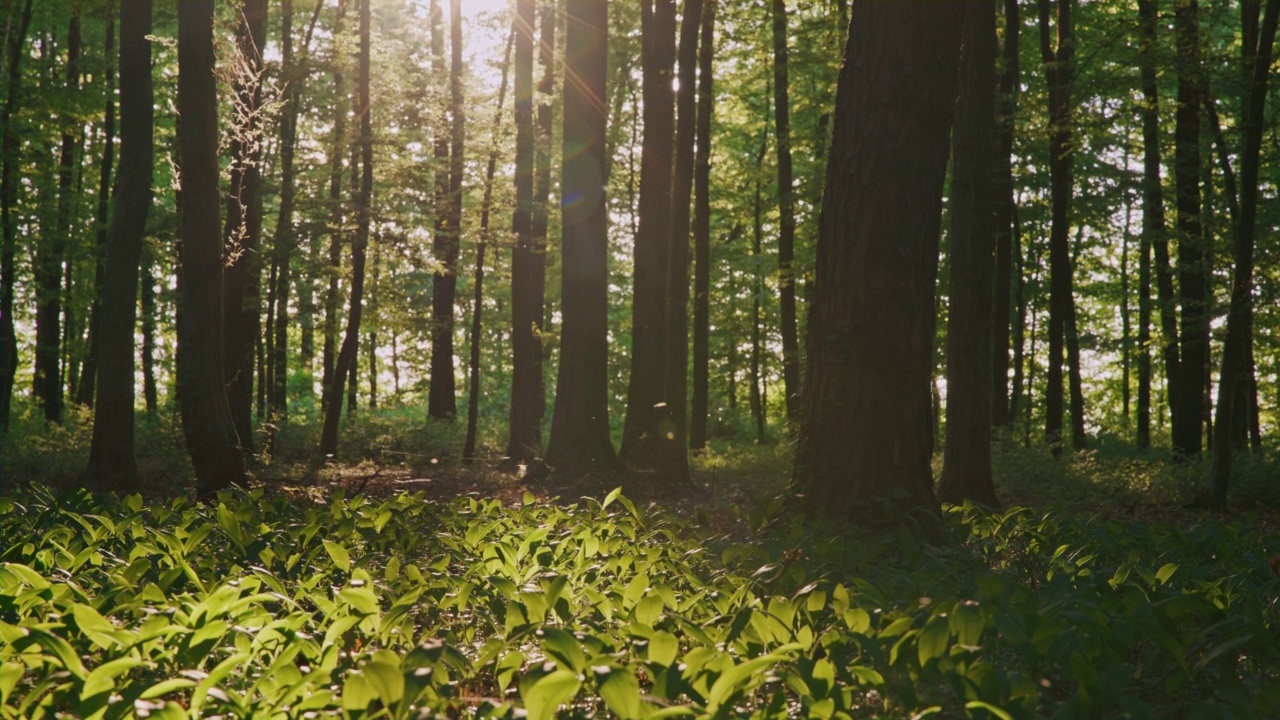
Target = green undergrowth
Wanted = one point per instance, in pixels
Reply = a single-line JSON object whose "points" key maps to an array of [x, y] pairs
{"points": [[258, 606]]}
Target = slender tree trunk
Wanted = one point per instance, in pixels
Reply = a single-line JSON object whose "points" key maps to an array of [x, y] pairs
{"points": [[371, 337], [332, 297], [441, 395], [579, 442], [1058, 62], [89, 370], [206, 416], [966, 469], [10, 159], [242, 236], [642, 434], [702, 233], [477, 300], [756, 397], [1193, 255], [1006, 99], [866, 432], [52, 251], [675, 461], [111, 458], [347, 355], [147, 301], [1126, 321], [524, 442], [786, 215], [1233, 352], [1019, 334], [285, 240]]}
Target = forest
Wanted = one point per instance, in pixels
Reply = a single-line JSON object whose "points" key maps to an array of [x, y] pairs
{"points": [[653, 359]]}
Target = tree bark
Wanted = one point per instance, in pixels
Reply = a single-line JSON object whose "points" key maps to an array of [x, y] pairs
{"points": [[702, 233], [786, 215], [1006, 99], [346, 361], [147, 302], [51, 251], [243, 234], [285, 241], [111, 459], [756, 396], [1233, 352], [477, 304], [442, 402], [579, 442], [524, 443], [10, 159], [866, 433], [332, 297], [966, 469], [642, 434], [206, 417], [1193, 251]]}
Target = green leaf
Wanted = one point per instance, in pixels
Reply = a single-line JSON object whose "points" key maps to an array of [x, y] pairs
{"points": [[385, 678], [164, 687], [94, 626], [102, 677], [620, 691], [980, 705], [1165, 572], [341, 558], [360, 598], [357, 692], [635, 590], [10, 674], [564, 647], [550, 692], [613, 495], [932, 642], [663, 648], [967, 622]]}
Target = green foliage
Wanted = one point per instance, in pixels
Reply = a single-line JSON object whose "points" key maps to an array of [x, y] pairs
{"points": [[257, 606]]}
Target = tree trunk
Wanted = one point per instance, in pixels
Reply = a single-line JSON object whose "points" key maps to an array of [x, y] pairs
{"points": [[346, 361], [524, 442], [579, 442], [241, 301], [52, 250], [206, 416], [866, 432], [111, 460], [442, 402], [10, 159], [675, 460], [332, 298], [285, 241], [702, 233], [1233, 352], [1006, 99], [966, 469], [1019, 332], [477, 304], [147, 301], [642, 434], [786, 215], [1193, 251], [89, 370], [755, 396], [1058, 62]]}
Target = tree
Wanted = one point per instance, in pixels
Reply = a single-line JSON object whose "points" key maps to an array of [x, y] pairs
{"points": [[525, 437], [51, 254], [1233, 373], [1007, 91], [1193, 254], [206, 418], [10, 149], [866, 430], [642, 433], [966, 469], [111, 459], [786, 213], [442, 402], [364, 214], [702, 232], [579, 442], [242, 305]]}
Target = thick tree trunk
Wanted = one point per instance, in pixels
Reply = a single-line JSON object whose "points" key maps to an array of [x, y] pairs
{"points": [[1006, 99], [243, 234], [786, 215], [442, 403], [10, 152], [1233, 353], [477, 304], [346, 361], [702, 233], [966, 469], [52, 251], [111, 459], [866, 432], [1193, 251], [89, 370], [524, 443], [642, 434], [206, 417], [579, 442]]}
